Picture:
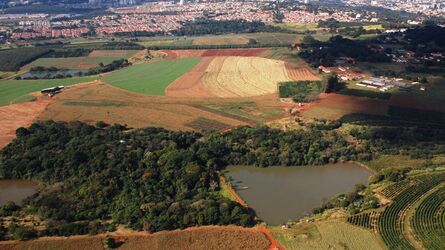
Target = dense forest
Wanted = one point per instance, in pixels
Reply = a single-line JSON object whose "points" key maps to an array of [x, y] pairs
{"points": [[149, 179], [318, 53], [154, 179], [13, 59]]}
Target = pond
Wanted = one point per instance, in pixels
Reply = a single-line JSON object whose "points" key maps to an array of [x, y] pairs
{"points": [[16, 190], [279, 194]]}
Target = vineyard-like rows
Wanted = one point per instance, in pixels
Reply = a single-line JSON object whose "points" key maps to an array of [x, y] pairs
{"points": [[427, 222], [395, 189], [391, 221], [367, 220]]}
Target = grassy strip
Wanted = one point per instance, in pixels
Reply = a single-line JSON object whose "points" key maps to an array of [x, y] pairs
{"points": [[13, 90], [151, 78], [365, 93], [202, 123], [300, 91]]}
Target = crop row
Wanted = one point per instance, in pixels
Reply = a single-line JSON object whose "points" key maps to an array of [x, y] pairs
{"points": [[391, 221], [395, 189], [427, 221], [367, 220]]}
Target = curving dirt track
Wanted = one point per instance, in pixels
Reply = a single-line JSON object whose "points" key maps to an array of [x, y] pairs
{"points": [[19, 115], [190, 84]]}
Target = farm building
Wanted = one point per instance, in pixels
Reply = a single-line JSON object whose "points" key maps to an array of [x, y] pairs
{"points": [[52, 91], [343, 72]]}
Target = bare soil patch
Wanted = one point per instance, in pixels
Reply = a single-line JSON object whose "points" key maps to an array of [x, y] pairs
{"points": [[190, 84], [19, 115], [220, 40], [177, 54]]}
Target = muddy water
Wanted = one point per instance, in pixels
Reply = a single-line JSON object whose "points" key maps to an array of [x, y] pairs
{"points": [[15, 190], [279, 194]]}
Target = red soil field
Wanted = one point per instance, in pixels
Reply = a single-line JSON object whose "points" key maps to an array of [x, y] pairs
{"points": [[190, 84], [334, 106], [19, 115], [300, 72]]}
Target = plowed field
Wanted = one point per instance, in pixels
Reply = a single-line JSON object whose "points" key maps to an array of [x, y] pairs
{"points": [[300, 73]]}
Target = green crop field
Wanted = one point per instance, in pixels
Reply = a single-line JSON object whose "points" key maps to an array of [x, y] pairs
{"points": [[13, 91], [150, 78]]}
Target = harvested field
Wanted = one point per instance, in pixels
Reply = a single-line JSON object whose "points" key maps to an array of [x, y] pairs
{"points": [[113, 53], [235, 40], [190, 84], [211, 237], [334, 106], [297, 72], [91, 103], [19, 115], [175, 54], [206, 237], [234, 52], [112, 105], [244, 76], [178, 54]]}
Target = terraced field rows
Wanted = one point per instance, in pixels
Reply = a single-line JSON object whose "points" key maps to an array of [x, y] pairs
{"points": [[395, 189], [367, 220], [428, 221], [391, 221]]}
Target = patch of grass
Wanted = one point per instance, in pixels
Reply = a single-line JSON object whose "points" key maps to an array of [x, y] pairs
{"points": [[25, 98], [333, 234], [11, 90], [434, 96], [301, 91], [96, 104], [365, 93], [151, 78], [202, 123], [394, 162]]}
